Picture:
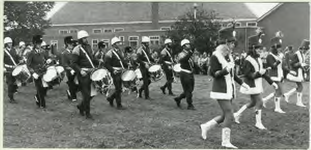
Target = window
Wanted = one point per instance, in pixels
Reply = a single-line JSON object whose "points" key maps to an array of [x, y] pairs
{"points": [[73, 31], [97, 31], [63, 31], [107, 30], [237, 24], [107, 41], [118, 29], [251, 24], [94, 43], [133, 41], [154, 40], [165, 28], [121, 38], [54, 42]]}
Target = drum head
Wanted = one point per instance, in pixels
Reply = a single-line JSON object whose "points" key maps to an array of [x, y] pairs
{"points": [[50, 75], [60, 69], [17, 70], [128, 75], [138, 74], [177, 68], [99, 74], [154, 68]]}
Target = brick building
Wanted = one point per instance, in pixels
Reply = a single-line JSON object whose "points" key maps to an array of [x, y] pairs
{"points": [[132, 20], [292, 18]]}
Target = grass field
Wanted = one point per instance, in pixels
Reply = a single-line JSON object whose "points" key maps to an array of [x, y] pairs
{"points": [[148, 124]]}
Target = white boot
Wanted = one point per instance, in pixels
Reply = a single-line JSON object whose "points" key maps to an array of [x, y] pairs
{"points": [[288, 94], [238, 114], [226, 138], [266, 99], [206, 127], [259, 124], [299, 100], [277, 101]]}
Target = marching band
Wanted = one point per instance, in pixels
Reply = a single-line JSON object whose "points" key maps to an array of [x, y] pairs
{"points": [[91, 72]]}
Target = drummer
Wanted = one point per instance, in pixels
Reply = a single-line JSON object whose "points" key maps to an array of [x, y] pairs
{"points": [[144, 59], [100, 53], [11, 59], [166, 60], [131, 60], [36, 63], [66, 59], [115, 63]]}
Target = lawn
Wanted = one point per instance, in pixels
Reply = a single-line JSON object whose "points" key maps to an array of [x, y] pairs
{"points": [[148, 124]]}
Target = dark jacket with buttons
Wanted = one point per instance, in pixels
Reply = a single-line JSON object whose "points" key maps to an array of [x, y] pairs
{"points": [[79, 57], [112, 60]]}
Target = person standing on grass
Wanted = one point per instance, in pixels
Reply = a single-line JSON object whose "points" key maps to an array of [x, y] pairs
{"points": [[186, 74], [66, 59], [296, 66], [254, 72], [274, 61], [223, 88]]}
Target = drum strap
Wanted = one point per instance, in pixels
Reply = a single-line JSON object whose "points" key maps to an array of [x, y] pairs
{"points": [[146, 56], [169, 55], [87, 56], [11, 57], [118, 58]]}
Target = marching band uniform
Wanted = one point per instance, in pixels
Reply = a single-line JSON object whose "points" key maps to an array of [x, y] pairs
{"points": [[144, 59], [223, 88], [186, 75], [11, 59], [114, 62], [254, 72], [274, 61], [36, 62], [100, 53], [83, 61], [166, 60], [296, 74], [66, 58]]}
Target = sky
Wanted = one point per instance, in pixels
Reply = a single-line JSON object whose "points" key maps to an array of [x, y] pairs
{"points": [[257, 8]]}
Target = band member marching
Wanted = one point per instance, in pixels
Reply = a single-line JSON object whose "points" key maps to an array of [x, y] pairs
{"points": [[66, 59], [296, 65], [254, 72], [167, 62], [114, 62], [100, 53], [144, 59], [11, 59], [274, 61], [83, 64], [37, 62], [223, 88], [186, 74]]}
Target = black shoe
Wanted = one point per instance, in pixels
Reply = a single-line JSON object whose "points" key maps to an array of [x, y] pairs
{"points": [[171, 93], [80, 110], [68, 94], [149, 98], [163, 89], [89, 116], [12, 101], [37, 101], [191, 107], [120, 107], [110, 100], [177, 100]]}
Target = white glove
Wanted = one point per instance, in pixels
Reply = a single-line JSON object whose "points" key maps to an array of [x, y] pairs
{"points": [[4, 70], [262, 71], [72, 72], [48, 61], [275, 85], [303, 64], [35, 75], [246, 86]]}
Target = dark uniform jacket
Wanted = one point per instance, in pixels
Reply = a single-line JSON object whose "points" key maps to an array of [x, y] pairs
{"points": [[185, 60], [66, 59], [141, 56], [166, 57], [36, 62], [294, 62], [8, 63], [80, 60], [112, 60], [276, 71]]}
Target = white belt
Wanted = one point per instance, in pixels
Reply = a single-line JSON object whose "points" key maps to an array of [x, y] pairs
{"points": [[167, 62], [117, 68], [185, 70]]}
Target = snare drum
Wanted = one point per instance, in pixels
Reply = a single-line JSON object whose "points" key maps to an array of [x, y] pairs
{"points": [[177, 69], [156, 72], [138, 74], [50, 75], [21, 73], [61, 71], [102, 78], [128, 78]]}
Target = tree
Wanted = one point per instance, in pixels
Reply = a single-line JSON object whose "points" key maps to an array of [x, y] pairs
{"points": [[202, 31], [24, 19]]}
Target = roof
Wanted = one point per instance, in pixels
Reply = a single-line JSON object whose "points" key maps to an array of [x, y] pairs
{"points": [[105, 12], [269, 12]]}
